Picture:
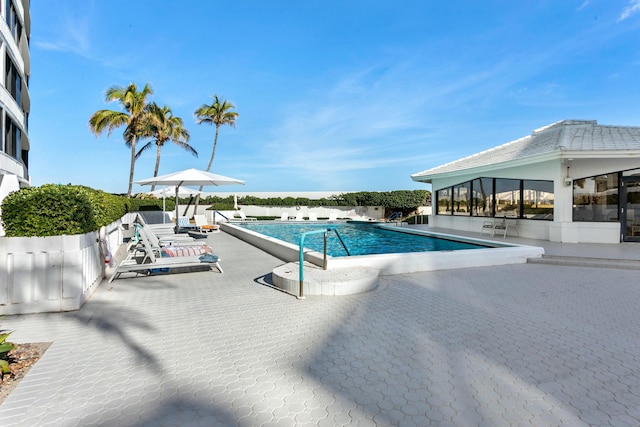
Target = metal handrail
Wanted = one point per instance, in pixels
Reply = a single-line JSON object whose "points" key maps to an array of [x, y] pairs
{"points": [[324, 266], [301, 268], [341, 241]]}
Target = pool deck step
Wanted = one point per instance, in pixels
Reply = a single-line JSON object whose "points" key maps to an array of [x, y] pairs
{"points": [[337, 281], [574, 261]]}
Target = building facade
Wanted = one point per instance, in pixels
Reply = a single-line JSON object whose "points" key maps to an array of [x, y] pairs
{"points": [[571, 181], [15, 105]]}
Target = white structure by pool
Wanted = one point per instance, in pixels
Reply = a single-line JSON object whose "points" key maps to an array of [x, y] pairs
{"points": [[572, 181]]}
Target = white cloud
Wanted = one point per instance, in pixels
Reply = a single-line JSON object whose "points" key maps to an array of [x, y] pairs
{"points": [[69, 31], [631, 9], [583, 5]]}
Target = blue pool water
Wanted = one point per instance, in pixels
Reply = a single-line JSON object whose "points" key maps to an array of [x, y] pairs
{"points": [[360, 239]]}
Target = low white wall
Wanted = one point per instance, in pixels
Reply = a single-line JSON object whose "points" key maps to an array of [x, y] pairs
{"points": [[353, 212], [553, 231], [51, 274]]}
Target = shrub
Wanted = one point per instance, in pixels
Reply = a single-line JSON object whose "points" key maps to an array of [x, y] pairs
{"points": [[5, 347], [54, 210]]}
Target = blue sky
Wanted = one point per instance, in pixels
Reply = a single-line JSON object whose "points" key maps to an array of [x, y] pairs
{"points": [[332, 95]]}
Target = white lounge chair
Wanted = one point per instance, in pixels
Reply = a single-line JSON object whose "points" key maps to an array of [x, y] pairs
{"points": [[299, 216], [243, 217], [149, 261], [313, 216], [332, 216], [184, 224], [203, 224], [158, 244], [284, 216]]}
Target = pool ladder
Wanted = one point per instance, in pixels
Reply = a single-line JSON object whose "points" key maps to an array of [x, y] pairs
{"points": [[324, 264]]}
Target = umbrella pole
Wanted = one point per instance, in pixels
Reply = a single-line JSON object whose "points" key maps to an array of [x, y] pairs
{"points": [[176, 227], [164, 205]]}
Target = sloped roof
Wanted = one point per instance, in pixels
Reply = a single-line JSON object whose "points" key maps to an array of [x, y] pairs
{"points": [[564, 136]]}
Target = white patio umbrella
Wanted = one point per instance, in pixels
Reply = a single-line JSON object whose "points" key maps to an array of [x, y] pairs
{"points": [[171, 191], [189, 177]]}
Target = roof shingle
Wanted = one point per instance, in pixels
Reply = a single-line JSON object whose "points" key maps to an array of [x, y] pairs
{"points": [[566, 135]]}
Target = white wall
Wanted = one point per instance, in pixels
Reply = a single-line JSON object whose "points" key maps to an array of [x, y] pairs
{"points": [[50, 274]]}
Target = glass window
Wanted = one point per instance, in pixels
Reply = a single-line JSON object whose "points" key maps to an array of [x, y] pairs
{"points": [[596, 198], [461, 202], [482, 197], [444, 201], [507, 197], [12, 79], [13, 22], [537, 199], [12, 139]]}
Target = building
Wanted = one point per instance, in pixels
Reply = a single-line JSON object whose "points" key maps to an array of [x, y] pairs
{"points": [[572, 181], [15, 30]]}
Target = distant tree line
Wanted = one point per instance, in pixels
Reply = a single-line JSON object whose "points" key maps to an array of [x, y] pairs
{"points": [[404, 200]]}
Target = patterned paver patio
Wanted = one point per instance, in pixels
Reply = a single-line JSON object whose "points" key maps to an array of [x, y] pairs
{"points": [[497, 346]]}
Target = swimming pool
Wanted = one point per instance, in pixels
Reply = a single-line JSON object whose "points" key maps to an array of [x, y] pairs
{"points": [[484, 253], [359, 238]]}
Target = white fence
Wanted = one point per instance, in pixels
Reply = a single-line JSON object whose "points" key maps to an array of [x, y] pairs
{"points": [[50, 274]]}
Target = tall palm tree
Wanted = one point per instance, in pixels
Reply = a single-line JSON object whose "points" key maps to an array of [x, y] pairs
{"points": [[218, 113], [133, 118], [163, 126]]}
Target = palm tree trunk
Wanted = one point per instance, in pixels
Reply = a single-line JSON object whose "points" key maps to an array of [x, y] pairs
{"points": [[213, 154], [133, 163], [155, 171]]}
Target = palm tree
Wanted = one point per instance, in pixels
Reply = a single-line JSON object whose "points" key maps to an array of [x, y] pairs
{"points": [[163, 126], [218, 113], [133, 118]]}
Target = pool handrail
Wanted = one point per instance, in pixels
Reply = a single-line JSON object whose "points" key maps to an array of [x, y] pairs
{"points": [[301, 268], [324, 264]]}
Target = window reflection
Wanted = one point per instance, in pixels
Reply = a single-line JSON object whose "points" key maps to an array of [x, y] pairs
{"points": [[444, 201], [507, 197], [537, 199], [532, 199], [461, 194], [596, 198], [482, 197]]}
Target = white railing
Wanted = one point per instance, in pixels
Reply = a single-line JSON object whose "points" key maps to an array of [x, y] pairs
{"points": [[51, 274]]}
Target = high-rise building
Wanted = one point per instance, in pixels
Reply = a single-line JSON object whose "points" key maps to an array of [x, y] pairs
{"points": [[15, 104]]}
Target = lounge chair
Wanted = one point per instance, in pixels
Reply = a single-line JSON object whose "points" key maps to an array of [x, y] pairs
{"points": [[313, 216], [184, 224], [160, 230], [299, 216], [147, 260], [243, 217], [203, 224], [284, 216], [157, 243], [332, 216], [161, 234]]}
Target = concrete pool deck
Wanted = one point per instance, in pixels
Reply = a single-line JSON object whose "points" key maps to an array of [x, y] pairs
{"points": [[522, 344]]}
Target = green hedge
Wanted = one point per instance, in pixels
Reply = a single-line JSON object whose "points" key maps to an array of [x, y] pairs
{"points": [[54, 210], [392, 200]]}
